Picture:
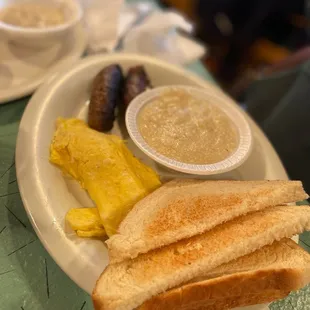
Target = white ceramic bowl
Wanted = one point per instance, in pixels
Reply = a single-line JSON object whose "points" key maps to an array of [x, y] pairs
{"points": [[41, 37], [233, 161]]}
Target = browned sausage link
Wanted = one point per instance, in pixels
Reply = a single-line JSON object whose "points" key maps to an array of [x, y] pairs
{"points": [[136, 82], [105, 95]]}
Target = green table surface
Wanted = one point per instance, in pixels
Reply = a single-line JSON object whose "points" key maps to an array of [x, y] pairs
{"points": [[29, 278]]}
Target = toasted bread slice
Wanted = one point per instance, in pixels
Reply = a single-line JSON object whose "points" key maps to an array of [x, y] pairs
{"points": [[266, 275], [128, 284], [184, 208]]}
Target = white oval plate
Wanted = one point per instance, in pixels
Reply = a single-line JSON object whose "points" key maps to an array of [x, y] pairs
{"points": [[23, 69], [47, 195]]}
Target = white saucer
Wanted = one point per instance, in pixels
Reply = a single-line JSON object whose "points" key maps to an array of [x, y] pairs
{"points": [[23, 69]]}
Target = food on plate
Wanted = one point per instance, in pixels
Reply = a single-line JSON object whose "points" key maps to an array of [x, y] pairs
{"points": [[261, 277], [95, 233], [33, 14], [104, 166], [189, 244], [86, 222], [105, 95], [187, 129], [130, 283], [109, 90], [184, 208], [136, 82]]}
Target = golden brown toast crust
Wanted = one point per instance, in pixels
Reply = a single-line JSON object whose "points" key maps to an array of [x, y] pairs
{"points": [[183, 208], [128, 284], [177, 213], [229, 291]]}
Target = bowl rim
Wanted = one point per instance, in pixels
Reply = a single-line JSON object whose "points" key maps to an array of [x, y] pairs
{"points": [[233, 161], [78, 13]]}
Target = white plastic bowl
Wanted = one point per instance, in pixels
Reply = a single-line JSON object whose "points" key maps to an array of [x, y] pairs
{"points": [[232, 111], [41, 37]]}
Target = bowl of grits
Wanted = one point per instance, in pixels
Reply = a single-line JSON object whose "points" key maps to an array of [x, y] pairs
{"points": [[189, 129], [38, 23]]}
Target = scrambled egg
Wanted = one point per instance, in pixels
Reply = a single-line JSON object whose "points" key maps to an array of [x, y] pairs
{"points": [[86, 222], [103, 165]]}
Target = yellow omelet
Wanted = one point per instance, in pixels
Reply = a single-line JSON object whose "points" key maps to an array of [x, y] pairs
{"points": [[104, 166], [85, 222]]}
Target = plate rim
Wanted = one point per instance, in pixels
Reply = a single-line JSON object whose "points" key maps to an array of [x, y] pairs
{"points": [[30, 119], [27, 88]]}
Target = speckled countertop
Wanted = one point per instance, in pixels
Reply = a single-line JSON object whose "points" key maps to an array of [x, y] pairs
{"points": [[29, 278]]}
